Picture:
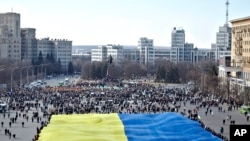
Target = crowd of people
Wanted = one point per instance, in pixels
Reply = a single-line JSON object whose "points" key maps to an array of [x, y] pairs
{"points": [[109, 97]]}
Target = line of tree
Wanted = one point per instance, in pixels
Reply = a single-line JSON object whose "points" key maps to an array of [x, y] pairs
{"points": [[54, 67]]}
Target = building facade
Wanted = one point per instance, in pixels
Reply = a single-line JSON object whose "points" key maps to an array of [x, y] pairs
{"points": [[240, 54], [61, 49], [146, 51], [10, 36], [177, 45], [102, 53], [222, 47], [28, 44]]}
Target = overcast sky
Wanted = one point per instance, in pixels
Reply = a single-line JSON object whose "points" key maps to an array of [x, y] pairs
{"points": [[99, 22]]}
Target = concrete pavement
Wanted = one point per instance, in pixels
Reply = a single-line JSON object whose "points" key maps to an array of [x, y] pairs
{"points": [[215, 121]]}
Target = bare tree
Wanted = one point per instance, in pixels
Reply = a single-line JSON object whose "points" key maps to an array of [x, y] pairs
{"points": [[85, 73]]}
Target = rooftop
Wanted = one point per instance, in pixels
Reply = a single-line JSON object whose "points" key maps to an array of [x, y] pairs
{"points": [[240, 19]]}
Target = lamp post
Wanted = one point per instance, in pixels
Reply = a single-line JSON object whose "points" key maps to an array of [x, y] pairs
{"points": [[28, 73], [34, 70], [44, 65], [21, 75], [11, 77]]}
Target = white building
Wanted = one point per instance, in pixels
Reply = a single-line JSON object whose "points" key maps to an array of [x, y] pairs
{"points": [[131, 53], [222, 47], [162, 53], [10, 36], [103, 52], [177, 45], [146, 51]]}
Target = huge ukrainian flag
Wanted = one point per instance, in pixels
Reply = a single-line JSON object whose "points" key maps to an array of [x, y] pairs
{"points": [[124, 127]]}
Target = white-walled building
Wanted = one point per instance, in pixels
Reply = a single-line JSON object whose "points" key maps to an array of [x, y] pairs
{"points": [[222, 47], [162, 53], [146, 51], [103, 52], [177, 45]]}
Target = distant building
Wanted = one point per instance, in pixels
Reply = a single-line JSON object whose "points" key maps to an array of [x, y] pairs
{"points": [[10, 36], [46, 47], [177, 45], [222, 47], [146, 51], [103, 52], [28, 44], [61, 49], [162, 53], [131, 53], [180, 50]]}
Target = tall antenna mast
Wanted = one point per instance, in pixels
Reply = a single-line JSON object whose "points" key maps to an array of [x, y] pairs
{"points": [[227, 4]]}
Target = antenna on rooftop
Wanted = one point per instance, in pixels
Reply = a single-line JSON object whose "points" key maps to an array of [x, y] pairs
{"points": [[227, 4]]}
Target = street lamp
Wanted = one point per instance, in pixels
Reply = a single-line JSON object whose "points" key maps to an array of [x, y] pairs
{"points": [[11, 78], [34, 70], [44, 65], [28, 74], [21, 75]]}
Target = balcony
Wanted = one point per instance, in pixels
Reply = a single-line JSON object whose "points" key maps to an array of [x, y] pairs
{"points": [[238, 53], [238, 38], [238, 44]]}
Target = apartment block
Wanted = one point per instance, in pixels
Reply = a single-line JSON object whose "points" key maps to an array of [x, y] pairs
{"points": [[28, 44], [10, 37], [240, 54], [61, 49], [146, 51]]}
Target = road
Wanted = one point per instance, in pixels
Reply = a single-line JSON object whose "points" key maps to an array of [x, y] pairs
{"points": [[55, 80]]}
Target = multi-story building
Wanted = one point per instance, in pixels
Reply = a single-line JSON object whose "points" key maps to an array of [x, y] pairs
{"points": [[146, 51], [199, 55], [28, 44], [162, 53], [146, 54], [180, 51], [222, 47], [102, 53], [61, 49], [240, 54], [177, 45], [10, 37], [238, 73], [131, 53]]}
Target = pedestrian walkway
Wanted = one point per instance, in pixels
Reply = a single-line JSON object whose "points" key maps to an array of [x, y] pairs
{"points": [[21, 133], [215, 121]]}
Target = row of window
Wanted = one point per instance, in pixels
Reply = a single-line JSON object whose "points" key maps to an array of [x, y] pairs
{"points": [[15, 51], [241, 28], [243, 34], [14, 56]]}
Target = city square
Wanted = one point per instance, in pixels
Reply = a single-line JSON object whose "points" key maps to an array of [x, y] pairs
{"points": [[124, 70]]}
